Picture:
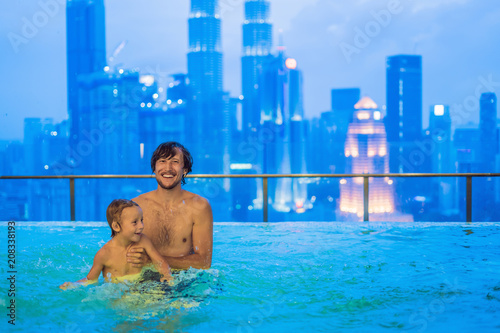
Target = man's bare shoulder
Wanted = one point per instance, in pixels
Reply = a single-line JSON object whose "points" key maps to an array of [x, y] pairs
{"points": [[145, 198], [198, 205], [195, 200]]}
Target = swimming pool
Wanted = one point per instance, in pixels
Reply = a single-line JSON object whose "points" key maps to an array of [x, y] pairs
{"points": [[277, 277]]}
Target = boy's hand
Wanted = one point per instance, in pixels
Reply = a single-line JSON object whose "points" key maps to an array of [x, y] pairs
{"points": [[67, 285], [169, 280], [138, 257]]}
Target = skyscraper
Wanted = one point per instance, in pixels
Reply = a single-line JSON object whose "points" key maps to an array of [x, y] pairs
{"points": [[443, 159], [206, 110], [404, 111], [205, 51], [86, 51], [343, 101], [440, 136], [488, 131], [485, 195], [257, 45], [280, 102], [366, 152]]}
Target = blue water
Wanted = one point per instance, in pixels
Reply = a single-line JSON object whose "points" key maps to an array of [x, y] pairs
{"points": [[280, 277]]}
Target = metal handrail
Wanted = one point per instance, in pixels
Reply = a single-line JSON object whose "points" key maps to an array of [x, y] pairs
{"points": [[265, 177]]}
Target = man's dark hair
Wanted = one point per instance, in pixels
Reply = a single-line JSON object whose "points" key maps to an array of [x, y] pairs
{"points": [[114, 212], [168, 150]]}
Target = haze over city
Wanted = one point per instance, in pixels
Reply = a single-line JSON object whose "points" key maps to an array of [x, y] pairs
{"points": [[457, 39]]}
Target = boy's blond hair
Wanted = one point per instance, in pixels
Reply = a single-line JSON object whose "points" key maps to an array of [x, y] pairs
{"points": [[114, 211]]}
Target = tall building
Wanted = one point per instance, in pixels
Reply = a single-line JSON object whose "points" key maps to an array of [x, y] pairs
{"points": [[282, 112], [404, 111], [166, 122], [443, 159], [206, 110], [257, 46], [440, 136], [485, 193], [205, 50], [110, 107], [488, 132], [86, 52], [366, 152], [343, 101]]}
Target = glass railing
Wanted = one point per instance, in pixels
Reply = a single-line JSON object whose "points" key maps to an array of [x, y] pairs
{"points": [[267, 197]]}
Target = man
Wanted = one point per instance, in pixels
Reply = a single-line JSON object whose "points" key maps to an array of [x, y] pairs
{"points": [[178, 222]]}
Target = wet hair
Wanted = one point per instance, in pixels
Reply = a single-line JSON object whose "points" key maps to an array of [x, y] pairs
{"points": [[168, 150], [114, 211]]}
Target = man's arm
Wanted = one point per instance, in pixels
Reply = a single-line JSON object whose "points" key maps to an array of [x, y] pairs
{"points": [[158, 260], [202, 239]]}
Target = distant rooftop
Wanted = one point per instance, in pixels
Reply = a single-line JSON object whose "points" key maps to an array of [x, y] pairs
{"points": [[365, 103]]}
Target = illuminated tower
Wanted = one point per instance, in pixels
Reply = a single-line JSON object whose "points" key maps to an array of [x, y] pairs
{"points": [[366, 152], [205, 51], [86, 52], [206, 110], [257, 44], [280, 102]]}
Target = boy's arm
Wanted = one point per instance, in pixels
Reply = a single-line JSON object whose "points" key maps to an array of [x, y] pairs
{"points": [[93, 275], [160, 263]]}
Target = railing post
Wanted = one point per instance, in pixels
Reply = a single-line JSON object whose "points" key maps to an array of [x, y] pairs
{"points": [[264, 198], [468, 199], [72, 197], [366, 199]]}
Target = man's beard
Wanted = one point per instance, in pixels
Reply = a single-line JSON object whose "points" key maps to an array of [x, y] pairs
{"points": [[170, 186]]}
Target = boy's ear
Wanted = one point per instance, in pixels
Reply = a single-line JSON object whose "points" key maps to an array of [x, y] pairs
{"points": [[115, 226]]}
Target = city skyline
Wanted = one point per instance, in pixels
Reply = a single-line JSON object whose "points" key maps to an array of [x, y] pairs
{"points": [[28, 74]]}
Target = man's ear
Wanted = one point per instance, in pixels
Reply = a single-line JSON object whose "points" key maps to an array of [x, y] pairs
{"points": [[115, 226]]}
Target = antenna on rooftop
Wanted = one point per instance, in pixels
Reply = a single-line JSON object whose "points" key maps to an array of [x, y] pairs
{"points": [[117, 51]]}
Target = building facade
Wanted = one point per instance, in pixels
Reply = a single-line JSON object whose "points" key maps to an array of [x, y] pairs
{"points": [[206, 109], [257, 46], [85, 50], [404, 112]]}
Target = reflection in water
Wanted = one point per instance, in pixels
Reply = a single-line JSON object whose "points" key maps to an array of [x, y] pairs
{"points": [[133, 304]]}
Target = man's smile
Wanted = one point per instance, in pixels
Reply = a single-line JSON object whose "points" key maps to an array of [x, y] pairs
{"points": [[168, 175]]}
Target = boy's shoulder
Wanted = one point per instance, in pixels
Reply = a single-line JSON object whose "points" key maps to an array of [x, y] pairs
{"points": [[104, 252]]}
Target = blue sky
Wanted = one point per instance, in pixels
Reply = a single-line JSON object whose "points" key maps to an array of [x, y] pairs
{"points": [[458, 39]]}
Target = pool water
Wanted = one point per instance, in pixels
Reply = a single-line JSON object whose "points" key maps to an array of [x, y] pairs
{"points": [[276, 277]]}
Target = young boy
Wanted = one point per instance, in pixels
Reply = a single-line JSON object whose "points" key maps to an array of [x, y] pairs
{"points": [[125, 219]]}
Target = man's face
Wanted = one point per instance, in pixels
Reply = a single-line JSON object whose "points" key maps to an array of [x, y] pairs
{"points": [[169, 171]]}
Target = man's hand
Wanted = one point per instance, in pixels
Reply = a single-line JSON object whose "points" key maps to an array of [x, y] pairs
{"points": [[138, 257]]}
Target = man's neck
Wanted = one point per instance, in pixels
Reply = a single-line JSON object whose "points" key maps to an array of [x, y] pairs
{"points": [[169, 196]]}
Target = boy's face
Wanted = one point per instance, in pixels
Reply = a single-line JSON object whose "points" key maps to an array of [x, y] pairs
{"points": [[131, 223]]}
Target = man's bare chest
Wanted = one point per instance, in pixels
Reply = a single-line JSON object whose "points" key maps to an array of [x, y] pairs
{"points": [[168, 227]]}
